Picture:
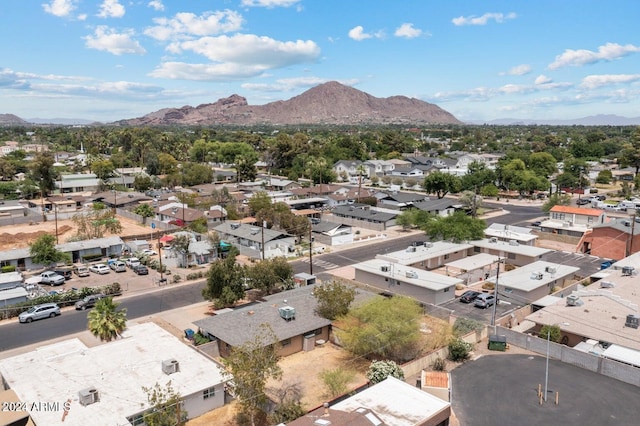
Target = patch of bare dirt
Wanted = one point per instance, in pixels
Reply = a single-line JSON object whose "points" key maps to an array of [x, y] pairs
{"points": [[20, 236]]}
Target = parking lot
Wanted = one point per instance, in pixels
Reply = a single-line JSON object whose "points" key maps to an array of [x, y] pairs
{"points": [[468, 310], [588, 264]]}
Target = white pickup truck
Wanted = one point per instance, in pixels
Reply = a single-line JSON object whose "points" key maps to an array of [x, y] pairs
{"points": [[51, 278]]}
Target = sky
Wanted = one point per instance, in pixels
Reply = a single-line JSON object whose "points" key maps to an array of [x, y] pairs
{"points": [[107, 60]]}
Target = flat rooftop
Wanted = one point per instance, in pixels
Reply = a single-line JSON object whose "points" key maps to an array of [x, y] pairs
{"points": [[117, 370], [407, 274], [431, 250], [507, 247], [534, 275]]}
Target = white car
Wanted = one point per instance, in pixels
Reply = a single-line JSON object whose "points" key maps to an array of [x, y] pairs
{"points": [[149, 252], [132, 261], [99, 268]]}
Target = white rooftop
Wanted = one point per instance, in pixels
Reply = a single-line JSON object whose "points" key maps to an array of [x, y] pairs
{"points": [[407, 274], [117, 370], [432, 250], [622, 354], [507, 247], [603, 312], [510, 232], [471, 263], [523, 278], [396, 403]]}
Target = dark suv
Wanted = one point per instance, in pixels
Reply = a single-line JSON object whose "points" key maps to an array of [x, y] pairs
{"points": [[65, 272], [89, 301]]}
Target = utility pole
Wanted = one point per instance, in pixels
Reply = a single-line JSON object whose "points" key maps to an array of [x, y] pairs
{"points": [[264, 224], [55, 206], [310, 251], [495, 301], [159, 253]]}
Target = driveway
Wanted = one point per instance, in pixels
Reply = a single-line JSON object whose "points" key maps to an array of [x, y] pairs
{"points": [[502, 390]]}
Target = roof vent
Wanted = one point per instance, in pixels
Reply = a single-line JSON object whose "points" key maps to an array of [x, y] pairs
{"points": [[493, 240], [632, 321], [170, 366], [627, 271], [411, 274], [384, 268], [573, 300], [514, 243], [88, 396], [287, 313], [606, 284], [428, 245], [411, 249], [550, 269], [255, 231], [235, 225], [536, 275]]}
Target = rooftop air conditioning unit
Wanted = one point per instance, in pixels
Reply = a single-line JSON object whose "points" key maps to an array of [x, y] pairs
{"points": [[550, 269], [536, 275], [170, 366], [88, 396], [411, 274], [514, 243], [573, 300], [627, 271], [428, 245], [606, 284], [493, 240], [287, 313], [384, 268], [411, 249], [632, 321]]}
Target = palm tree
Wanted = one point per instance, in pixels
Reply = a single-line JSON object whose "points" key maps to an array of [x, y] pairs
{"points": [[105, 320]]}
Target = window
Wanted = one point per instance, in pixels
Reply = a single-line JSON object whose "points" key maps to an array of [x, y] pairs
{"points": [[137, 420], [446, 290], [476, 249], [446, 256], [317, 331], [511, 255], [208, 393], [285, 342]]}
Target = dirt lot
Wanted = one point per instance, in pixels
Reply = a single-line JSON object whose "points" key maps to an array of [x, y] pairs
{"points": [[20, 236]]}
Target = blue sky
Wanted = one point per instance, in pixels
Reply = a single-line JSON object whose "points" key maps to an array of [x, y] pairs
{"points": [[107, 60]]}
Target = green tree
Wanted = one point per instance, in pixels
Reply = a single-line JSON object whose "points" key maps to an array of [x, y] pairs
{"points": [[441, 184], [630, 155], [471, 201], [336, 381], [459, 349], [543, 164], [225, 282], [96, 222], [103, 169], [384, 327], [552, 331], [144, 210], [334, 299], [378, 371], [43, 251], [456, 227], [246, 169], [165, 406], [269, 274], [259, 202], [248, 368], [604, 177], [43, 172], [106, 321]]}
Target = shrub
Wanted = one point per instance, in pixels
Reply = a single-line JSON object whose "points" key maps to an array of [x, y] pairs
{"points": [[200, 339], [439, 364], [176, 278], [336, 381], [464, 326], [8, 268], [380, 370], [459, 349]]}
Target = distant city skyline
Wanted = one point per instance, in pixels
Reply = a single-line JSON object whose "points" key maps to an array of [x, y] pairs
{"points": [[107, 60]]}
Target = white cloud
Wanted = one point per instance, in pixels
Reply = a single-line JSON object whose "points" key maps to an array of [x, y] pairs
{"points": [[240, 56], [268, 3], [519, 70], [289, 84], [60, 8], [595, 81], [250, 49], [156, 5], [515, 88], [113, 42], [187, 24], [408, 31], [111, 9], [542, 79], [357, 33], [482, 20], [607, 52]]}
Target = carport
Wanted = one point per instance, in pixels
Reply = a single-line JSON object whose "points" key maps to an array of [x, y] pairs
{"points": [[473, 268]]}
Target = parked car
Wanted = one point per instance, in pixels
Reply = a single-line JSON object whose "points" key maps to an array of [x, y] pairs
{"points": [[536, 224], [484, 300], [469, 296], [583, 201], [140, 269], [88, 301], [51, 278], [99, 268], [118, 266], [45, 310], [132, 261], [149, 252], [81, 271], [67, 273]]}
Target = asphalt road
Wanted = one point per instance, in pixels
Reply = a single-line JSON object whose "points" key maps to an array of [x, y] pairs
{"points": [[518, 215], [15, 335], [502, 390]]}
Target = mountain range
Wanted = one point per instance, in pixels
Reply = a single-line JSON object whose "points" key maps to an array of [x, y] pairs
{"points": [[330, 103]]}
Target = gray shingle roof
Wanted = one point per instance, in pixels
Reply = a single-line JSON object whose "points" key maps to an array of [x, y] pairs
{"points": [[360, 212], [249, 232]]}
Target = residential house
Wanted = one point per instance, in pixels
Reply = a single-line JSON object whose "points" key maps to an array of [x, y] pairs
{"points": [[511, 251], [12, 209], [120, 199], [511, 233], [379, 167], [332, 234], [534, 281], [400, 200], [417, 171], [363, 216], [8, 148], [571, 223], [104, 384], [255, 241], [346, 169], [429, 255], [279, 184], [291, 315], [73, 183], [176, 212], [393, 278], [390, 402], [439, 206], [317, 190]]}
